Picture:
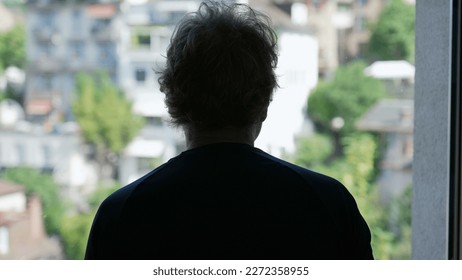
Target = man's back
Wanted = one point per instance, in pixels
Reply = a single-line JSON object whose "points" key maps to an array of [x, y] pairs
{"points": [[230, 201]]}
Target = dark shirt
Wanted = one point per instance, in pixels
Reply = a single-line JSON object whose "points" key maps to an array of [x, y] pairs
{"points": [[230, 201]]}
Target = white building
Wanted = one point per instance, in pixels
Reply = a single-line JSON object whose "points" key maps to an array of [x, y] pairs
{"points": [[297, 73], [145, 37], [60, 152]]}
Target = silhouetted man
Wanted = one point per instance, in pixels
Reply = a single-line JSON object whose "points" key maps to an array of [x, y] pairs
{"points": [[223, 198]]}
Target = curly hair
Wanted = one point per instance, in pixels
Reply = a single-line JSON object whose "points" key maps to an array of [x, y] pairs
{"points": [[220, 67]]}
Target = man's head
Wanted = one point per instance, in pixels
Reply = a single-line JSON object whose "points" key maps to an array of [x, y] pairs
{"points": [[220, 67]]}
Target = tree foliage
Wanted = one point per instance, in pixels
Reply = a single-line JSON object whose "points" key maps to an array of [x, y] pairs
{"points": [[104, 115], [313, 151], [349, 94], [355, 170], [76, 228], [43, 185], [392, 37], [390, 226], [74, 235], [13, 48]]}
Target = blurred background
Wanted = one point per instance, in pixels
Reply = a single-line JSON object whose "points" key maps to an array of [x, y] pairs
{"points": [[81, 114]]}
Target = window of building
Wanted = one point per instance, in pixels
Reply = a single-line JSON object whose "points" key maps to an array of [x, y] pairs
{"points": [[77, 22], [100, 26], [76, 50], [140, 75], [154, 121], [343, 7], [46, 150], [46, 20], [360, 23], [21, 152], [46, 49], [106, 54], [4, 240], [362, 3], [144, 40], [44, 82]]}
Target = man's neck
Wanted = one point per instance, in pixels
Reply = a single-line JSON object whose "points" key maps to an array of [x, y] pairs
{"points": [[244, 135]]}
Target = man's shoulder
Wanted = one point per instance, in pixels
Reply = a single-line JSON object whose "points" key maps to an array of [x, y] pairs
{"points": [[310, 177]]}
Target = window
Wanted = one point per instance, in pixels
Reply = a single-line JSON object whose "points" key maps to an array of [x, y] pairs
{"points": [[76, 50], [46, 49], [100, 26], [4, 240], [362, 3], [46, 155], [77, 22], [140, 75], [46, 20], [343, 7], [106, 54], [44, 82], [154, 121], [144, 40], [361, 23], [21, 151]]}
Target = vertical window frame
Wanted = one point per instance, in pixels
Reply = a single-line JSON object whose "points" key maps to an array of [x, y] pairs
{"points": [[455, 199]]}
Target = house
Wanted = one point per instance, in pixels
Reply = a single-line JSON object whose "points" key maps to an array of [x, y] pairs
{"points": [[148, 26], [397, 76], [59, 152], [297, 73], [341, 27], [22, 234], [64, 38], [393, 119]]}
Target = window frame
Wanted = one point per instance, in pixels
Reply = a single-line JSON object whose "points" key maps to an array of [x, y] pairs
{"points": [[454, 223], [438, 131]]}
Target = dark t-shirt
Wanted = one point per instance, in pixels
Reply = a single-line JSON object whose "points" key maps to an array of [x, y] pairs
{"points": [[230, 201]]}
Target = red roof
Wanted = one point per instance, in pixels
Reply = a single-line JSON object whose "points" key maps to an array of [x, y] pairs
{"points": [[39, 107], [101, 10], [7, 188]]}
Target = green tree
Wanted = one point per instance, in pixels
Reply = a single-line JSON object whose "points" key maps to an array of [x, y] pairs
{"points": [[13, 48], [313, 151], [400, 224], [43, 185], [105, 117], [74, 234], [356, 171], [349, 94], [75, 229], [392, 37]]}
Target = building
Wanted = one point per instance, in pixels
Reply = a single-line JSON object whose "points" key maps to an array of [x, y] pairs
{"points": [[341, 27], [8, 18], [64, 38], [393, 119], [397, 76], [297, 73], [148, 26], [22, 234], [59, 151]]}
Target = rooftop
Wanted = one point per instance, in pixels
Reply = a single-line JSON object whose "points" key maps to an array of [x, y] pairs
{"points": [[8, 188], [389, 115], [393, 69]]}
